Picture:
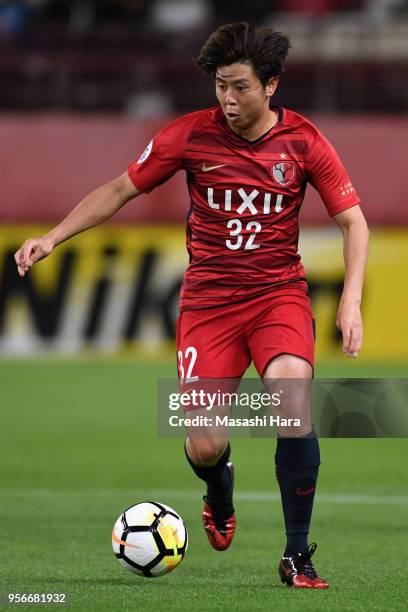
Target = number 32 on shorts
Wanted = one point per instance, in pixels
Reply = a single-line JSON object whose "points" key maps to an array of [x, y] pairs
{"points": [[186, 364]]}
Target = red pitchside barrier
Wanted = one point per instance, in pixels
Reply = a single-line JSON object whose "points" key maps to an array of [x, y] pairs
{"points": [[49, 162]]}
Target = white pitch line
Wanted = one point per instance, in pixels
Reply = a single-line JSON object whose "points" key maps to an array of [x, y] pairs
{"points": [[244, 496]]}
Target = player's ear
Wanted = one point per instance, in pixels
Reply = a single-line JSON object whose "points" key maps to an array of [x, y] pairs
{"points": [[271, 86]]}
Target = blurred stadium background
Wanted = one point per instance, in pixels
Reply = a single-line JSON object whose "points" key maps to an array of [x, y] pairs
{"points": [[84, 85]]}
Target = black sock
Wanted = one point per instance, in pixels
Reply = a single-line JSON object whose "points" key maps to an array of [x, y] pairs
{"points": [[297, 465], [218, 480]]}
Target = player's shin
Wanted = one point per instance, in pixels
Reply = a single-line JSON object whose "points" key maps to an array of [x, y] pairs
{"points": [[297, 464], [218, 514], [219, 481]]}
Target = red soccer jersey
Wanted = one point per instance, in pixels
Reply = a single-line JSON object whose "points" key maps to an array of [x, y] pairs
{"points": [[245, 197]]}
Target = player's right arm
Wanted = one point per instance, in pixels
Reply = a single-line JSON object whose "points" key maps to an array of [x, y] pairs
{"points": [[95, 208], [162, 158]]}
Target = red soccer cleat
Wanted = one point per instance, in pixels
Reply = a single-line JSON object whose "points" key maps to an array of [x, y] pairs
{"points": [[220, 531], [219, 534], [297, 570]]}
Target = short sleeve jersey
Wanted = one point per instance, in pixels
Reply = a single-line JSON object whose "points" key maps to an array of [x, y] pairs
{"points": [[242, 221]]}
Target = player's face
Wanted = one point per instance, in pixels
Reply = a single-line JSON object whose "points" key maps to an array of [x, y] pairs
{"points": [[242, 96]]}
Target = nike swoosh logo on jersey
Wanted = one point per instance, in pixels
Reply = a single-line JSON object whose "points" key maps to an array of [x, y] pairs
{"points": [[300, 491], [205, 168]]}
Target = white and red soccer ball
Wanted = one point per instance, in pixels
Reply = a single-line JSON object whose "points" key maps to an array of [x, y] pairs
{"points": [[149, 539]]}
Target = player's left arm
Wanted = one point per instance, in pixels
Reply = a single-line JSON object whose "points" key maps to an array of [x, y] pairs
{"points": [[355, 251]]}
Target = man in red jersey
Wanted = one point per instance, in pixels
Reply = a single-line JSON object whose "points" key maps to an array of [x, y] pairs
{"points": [[244, 296]]}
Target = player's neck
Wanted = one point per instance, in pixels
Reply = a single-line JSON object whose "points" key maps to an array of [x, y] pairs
{"points": [[265, 123]]}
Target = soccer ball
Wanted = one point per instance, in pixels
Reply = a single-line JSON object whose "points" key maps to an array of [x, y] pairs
{"points": [[149, 539]]}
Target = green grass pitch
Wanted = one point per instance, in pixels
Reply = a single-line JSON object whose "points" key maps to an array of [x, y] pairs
{"points": [[78, 444]]}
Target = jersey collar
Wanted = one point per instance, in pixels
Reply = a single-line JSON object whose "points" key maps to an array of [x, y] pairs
{"points": [[279, 109]]}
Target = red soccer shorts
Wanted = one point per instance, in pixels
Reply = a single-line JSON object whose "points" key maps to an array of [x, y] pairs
{"points": [[221, 342]]}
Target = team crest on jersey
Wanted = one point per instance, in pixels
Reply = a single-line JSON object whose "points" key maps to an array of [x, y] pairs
{"points": [[284, 173], [145, 153]]}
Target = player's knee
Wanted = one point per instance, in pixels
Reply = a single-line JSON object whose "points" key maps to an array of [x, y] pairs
{"points": [[287, 366], [206, 451]]}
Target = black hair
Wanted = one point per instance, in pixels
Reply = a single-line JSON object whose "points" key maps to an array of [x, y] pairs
{"points": [[240, 42]]}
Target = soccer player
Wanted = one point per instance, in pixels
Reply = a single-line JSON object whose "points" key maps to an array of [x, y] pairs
{"points": [[244, 297]]}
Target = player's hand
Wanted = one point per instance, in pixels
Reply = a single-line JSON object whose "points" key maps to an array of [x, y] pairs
{"points": [[349, 322], [30, 252]]}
